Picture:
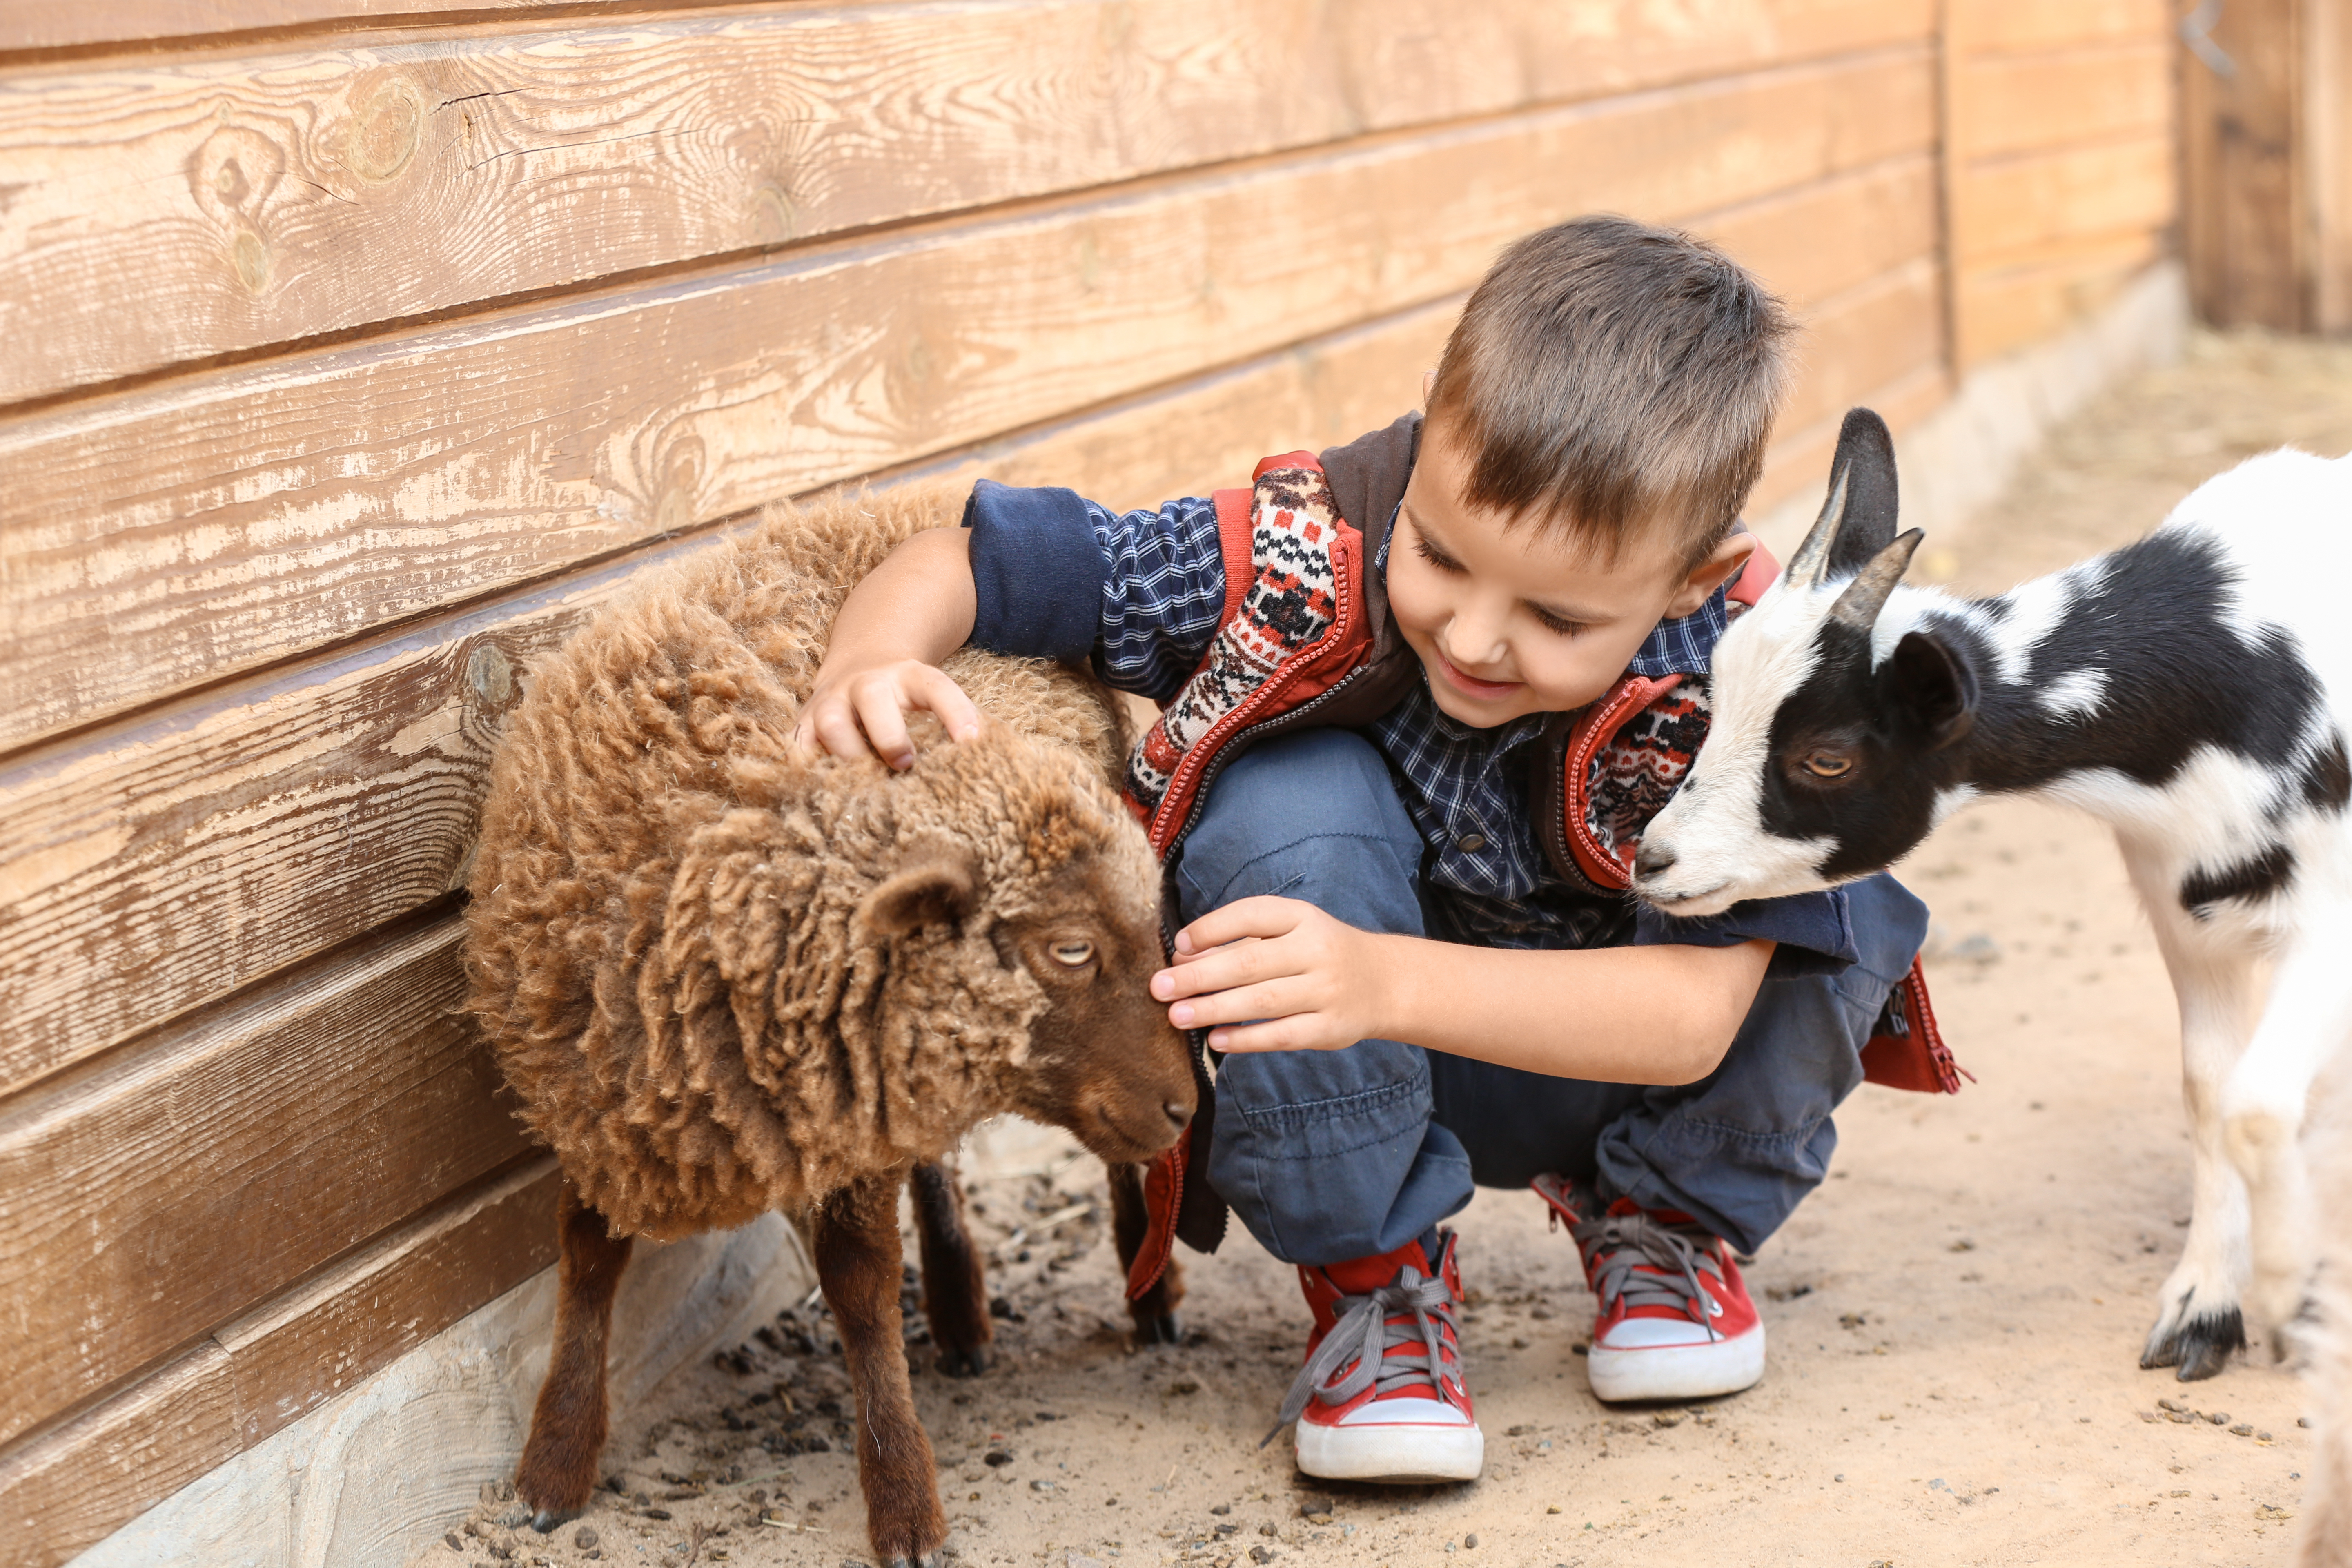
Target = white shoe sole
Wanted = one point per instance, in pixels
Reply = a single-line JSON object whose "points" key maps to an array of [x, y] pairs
{"points": [[1677, 1372], [1401, 1453]]}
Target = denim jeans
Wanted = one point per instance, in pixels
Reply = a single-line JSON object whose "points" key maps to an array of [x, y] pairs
{"points": [[1329, 1156]]}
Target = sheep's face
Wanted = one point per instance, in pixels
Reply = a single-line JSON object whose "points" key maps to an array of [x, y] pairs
{"points": [[1067, 891], [1104, 1061]]}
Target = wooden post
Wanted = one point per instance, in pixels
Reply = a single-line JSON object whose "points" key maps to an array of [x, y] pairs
{"points": [[2266, 163], [2327, 137]]}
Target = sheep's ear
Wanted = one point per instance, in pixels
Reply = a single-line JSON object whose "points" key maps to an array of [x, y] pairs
{"points": [[1857, 519], [1930, 682], [938, 889]]}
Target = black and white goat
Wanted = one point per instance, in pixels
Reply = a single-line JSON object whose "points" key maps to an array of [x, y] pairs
{"points": [[2191, 689]]}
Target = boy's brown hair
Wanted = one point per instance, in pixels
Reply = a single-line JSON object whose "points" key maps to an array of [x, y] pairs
{"points": [[1608, 378]]}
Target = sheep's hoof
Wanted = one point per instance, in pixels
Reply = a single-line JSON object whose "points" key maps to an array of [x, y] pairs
{"points": [[548, 1518], [963, 1364], [928, 1560], [1160, 1328], [2201, 1346]]}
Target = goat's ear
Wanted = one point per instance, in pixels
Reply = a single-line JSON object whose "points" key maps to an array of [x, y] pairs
{"points": [[1857, 519], [1931, 683], [937, 888]]}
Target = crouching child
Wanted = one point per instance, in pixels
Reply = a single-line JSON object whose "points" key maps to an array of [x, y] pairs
{"points": [[1421, 693]]}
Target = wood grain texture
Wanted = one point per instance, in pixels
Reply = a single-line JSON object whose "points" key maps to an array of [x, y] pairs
{"points": [[2006, 308], [2326, 98], [179, 209], [148, 867], [151, 865], [66, 1487], [1619, 41], [2015, 103], [2244, 234], [2006, 208], [220, 522], [1882, 217], [1799, 463], [1870, 336], [216, 1163], [2025, 27], [45, 24]]}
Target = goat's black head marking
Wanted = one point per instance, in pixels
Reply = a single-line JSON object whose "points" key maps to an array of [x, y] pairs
{"points": [[1820, 766]]}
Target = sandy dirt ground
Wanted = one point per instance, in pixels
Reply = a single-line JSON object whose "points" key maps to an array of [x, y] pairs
{"points": [[1955, 1319]]}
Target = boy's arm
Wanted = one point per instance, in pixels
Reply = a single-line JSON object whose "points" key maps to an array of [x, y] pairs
{"points": [[1038, 572], [1294, 978]]}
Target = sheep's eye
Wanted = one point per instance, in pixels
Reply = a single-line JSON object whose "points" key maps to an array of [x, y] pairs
{"points": [[1829, 764], [1072, 954]]}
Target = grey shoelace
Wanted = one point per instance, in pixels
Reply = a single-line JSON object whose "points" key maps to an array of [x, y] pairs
{"points": [[1624, 1243], [1363, 1334]]}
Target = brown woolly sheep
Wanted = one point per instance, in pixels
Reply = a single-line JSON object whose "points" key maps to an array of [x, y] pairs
{"points": [[726, 975]]}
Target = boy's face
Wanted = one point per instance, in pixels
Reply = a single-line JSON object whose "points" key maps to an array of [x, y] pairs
{"points": [[1525, 621]]}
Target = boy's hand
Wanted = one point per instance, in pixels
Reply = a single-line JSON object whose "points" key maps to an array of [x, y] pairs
{"points": [[848, 710], [1313, 984]]}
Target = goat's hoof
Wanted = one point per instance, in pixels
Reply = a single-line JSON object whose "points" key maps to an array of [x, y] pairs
{"points": [[548, 1520], [963, 1364], [2201, 1346], [1160, 1328], [928, 1560]]}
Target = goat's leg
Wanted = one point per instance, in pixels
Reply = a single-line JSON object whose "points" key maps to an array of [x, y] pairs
{"points": [[568, 1426], [2303, 1028], [858, 1261], [2199, 1319], [1154, 1311], [955, 1291]]}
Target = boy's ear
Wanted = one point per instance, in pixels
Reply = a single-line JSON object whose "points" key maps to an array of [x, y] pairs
{"points": [[1930, 682], [1722, 564]]}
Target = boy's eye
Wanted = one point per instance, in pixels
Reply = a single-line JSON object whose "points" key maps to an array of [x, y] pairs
{"points": [[1559, 624], [1435, 556], [1828, 764]]}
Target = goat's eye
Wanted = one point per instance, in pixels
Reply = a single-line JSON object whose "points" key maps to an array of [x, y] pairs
{"points": [[1829, 764], [1073, 954]]}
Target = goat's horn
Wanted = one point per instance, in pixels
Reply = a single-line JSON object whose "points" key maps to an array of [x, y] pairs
{"points": [[1866, 594], [1807, 567]]}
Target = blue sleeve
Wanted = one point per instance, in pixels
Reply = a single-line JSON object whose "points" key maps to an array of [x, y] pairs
{"points": [[1057, 576], [1815, 931]]}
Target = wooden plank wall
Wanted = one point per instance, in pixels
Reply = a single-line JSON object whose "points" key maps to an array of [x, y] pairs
{"points": [[350, 356], [2062, 161]]}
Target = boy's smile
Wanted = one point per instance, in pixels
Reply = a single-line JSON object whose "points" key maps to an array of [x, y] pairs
{"points": [[1531, 619]]}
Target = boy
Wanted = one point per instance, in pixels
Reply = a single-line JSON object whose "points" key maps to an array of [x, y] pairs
{"points": [[1423, 691]]}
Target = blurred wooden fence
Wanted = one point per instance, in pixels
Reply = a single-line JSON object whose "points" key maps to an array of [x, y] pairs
{"points": [[347, 356], [2267, 133]]}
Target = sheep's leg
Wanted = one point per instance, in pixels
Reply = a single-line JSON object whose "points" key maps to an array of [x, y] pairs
{"points": [[955, 1291], [1156, 1322], [2303, 1028], [568, 1426], [858, 1261], [2199, 1319]]}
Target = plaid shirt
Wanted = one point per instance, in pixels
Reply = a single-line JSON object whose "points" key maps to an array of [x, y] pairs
{"points": [[1488, 878]]}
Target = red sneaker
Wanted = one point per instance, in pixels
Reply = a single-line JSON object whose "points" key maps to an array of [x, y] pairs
{"points": [[1382, 1396], [1675, 1319]]}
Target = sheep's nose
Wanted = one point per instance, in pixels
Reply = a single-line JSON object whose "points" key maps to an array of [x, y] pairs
{"points": [[1178, 1114], [1654, 860]]}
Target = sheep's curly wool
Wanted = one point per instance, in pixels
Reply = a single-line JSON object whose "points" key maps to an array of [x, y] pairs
{"points": [[666, 943]]}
